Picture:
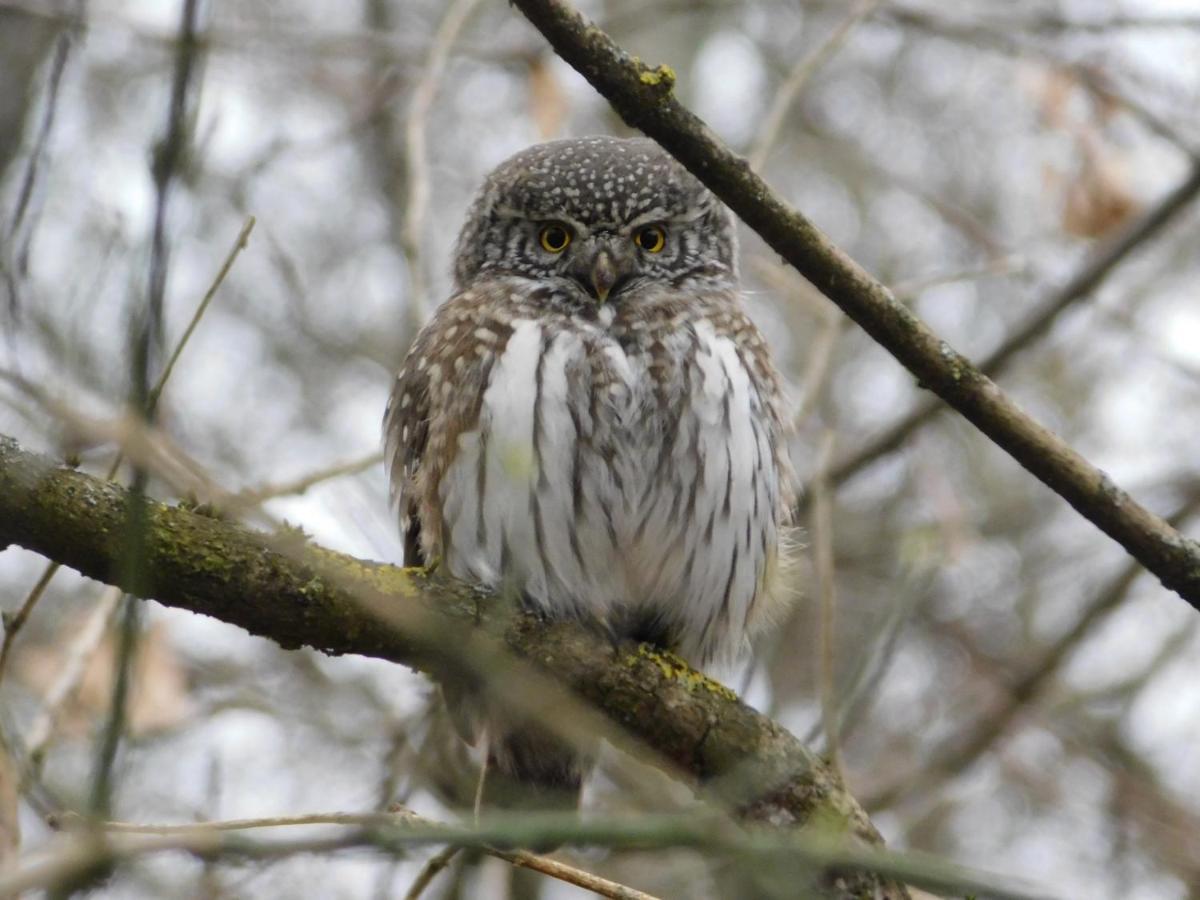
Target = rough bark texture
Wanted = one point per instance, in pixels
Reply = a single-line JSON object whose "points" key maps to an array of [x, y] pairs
{"points": [[643, 97], [296, 594]]}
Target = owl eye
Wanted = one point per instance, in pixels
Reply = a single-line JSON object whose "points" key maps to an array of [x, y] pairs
{"points": [[554, 238], [652, 238]]}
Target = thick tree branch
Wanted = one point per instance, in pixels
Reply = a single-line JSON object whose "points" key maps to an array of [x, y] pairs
{"points": [[285, 589], [643, 97]]}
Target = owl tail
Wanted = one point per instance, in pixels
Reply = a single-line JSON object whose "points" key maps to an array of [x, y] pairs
{"points": [[529, 769], [526, 767]]}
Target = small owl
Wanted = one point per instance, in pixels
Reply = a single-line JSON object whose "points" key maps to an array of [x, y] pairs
{"points": [[592, 421]]}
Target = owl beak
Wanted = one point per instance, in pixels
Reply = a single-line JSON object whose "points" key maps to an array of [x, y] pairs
{"points": [[603, 275], [601, 270]]}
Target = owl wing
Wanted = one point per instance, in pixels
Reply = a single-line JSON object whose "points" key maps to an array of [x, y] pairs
{"points": [[437, 396], [406, 436]]}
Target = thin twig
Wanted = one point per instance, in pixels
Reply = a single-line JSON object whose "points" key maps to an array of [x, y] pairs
{"points": [[818, 366], [398, 830], [238, 246], [799, 76], [70, 821], [824, 570], [432, 868], [143, 445], [997, 267], [1057, 23], [14, 623], [16, 245], [534, 862], [416, 158], [71, 668], [128, 638], [257, 495], [552, 868]]}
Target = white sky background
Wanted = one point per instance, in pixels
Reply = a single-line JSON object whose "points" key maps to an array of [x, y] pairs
{"points": [[289, 371]]}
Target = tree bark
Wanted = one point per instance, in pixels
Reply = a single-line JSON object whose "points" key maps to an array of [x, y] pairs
{"points": [[288, 590]]}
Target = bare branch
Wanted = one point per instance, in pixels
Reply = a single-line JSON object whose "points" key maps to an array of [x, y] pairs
{"points": [[394, 832], [1090, 275], [400, 816]]}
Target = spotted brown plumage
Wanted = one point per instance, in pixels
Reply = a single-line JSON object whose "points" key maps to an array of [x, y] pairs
{"points": [[593, 421]]}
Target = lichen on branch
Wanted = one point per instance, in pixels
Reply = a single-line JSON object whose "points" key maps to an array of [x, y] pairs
{"points": [[294, 593]]}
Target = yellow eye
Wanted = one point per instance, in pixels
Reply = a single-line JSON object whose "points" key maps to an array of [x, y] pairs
{"points": [[554, 238], [652, 238]]}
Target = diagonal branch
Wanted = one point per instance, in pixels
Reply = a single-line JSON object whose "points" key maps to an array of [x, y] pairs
{"points": [[644, 98], [296, 594], [1095, 269]]}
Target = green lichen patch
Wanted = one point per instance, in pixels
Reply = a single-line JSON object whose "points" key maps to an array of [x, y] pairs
{"points": [[662, 76], [675, 669], [829, 820]]}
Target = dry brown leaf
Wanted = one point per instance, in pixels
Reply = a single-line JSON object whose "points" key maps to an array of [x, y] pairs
{"points": [[1096, 195], [1054, 91], [1097, 199], [159, 699]]}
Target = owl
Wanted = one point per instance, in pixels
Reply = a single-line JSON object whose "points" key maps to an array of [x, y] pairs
{"points": [[592, 421]]}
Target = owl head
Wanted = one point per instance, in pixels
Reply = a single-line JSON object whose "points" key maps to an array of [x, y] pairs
{"points": [[598, 219]]}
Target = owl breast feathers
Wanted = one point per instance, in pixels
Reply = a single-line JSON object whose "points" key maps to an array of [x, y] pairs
{"points": [[591, 419]]}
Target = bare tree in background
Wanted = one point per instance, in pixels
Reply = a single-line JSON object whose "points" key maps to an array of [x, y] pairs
{"points": [[1000, 685]]}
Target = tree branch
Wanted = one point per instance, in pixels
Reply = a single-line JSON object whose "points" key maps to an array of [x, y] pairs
{"points": [[643, 97], [1106, 257], [85, 848], [294, 593]]}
